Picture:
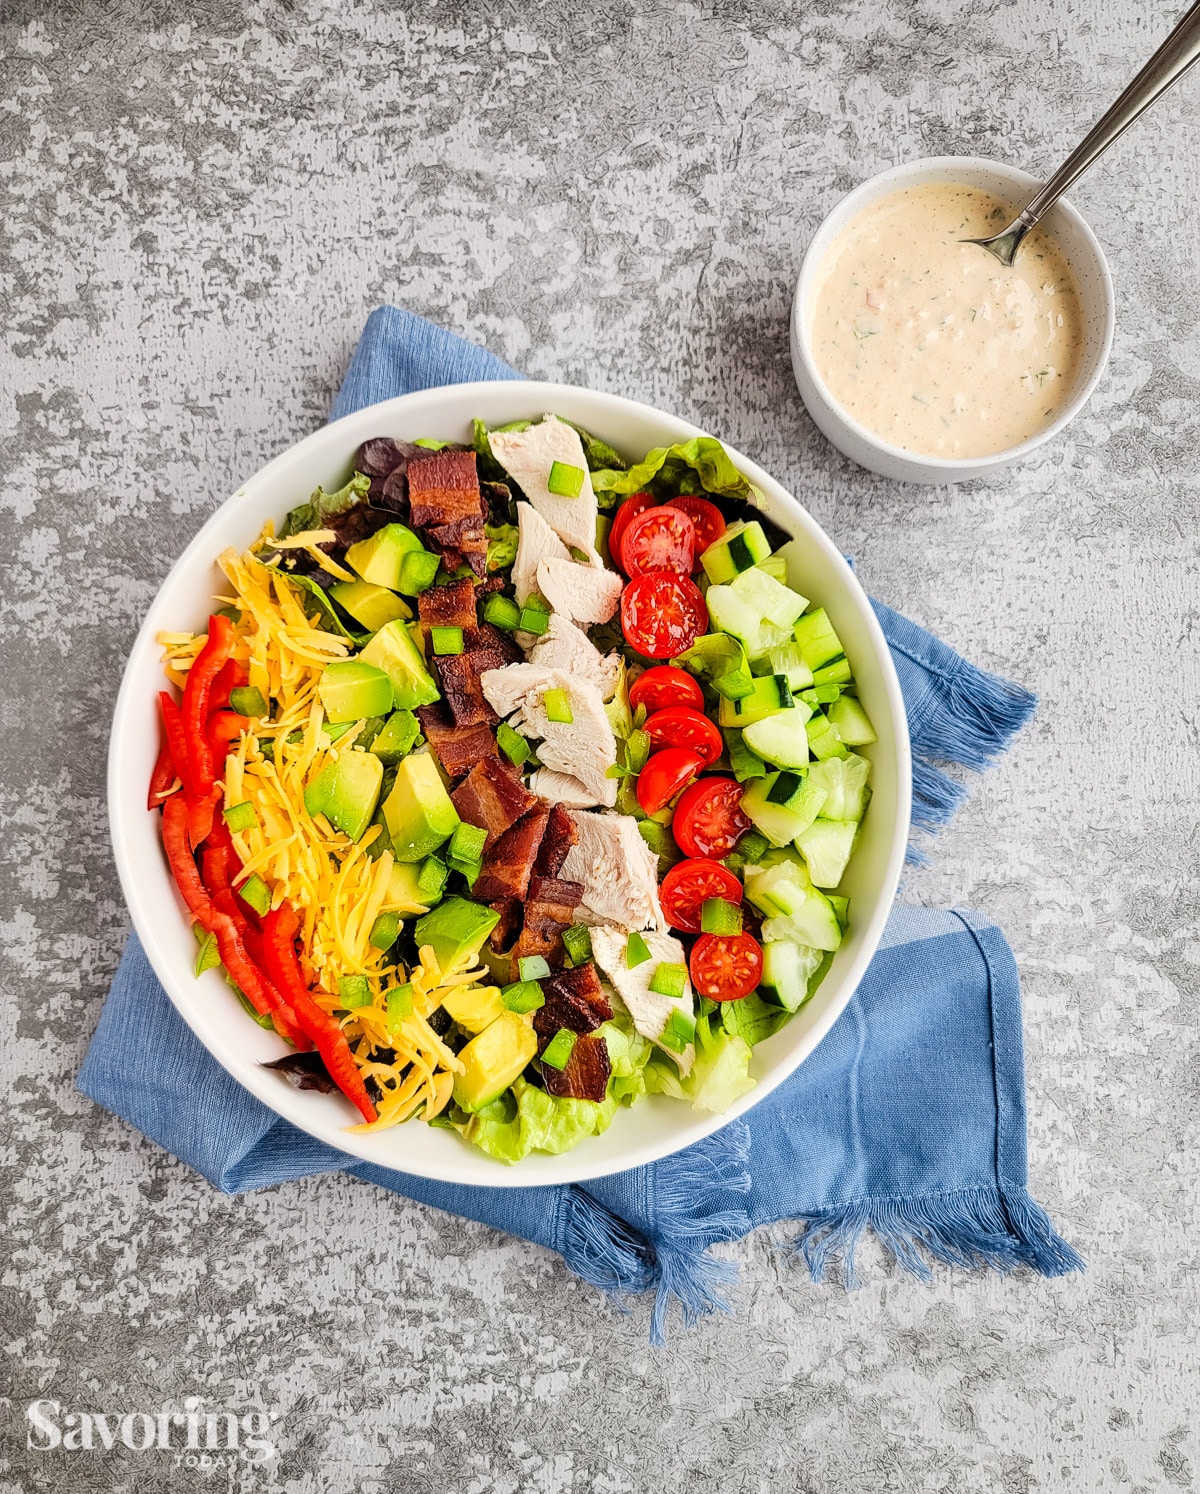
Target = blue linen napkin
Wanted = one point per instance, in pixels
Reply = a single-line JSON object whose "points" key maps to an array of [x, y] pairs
{"points": [[908, 1119]]}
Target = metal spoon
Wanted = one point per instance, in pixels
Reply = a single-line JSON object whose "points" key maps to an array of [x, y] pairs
{"points": [[1180, 50]]}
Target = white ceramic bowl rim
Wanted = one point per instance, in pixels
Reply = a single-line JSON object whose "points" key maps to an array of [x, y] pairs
{"points": [[846, 207], [150, 893]]}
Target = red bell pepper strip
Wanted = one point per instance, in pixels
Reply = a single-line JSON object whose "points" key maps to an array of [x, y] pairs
{"points": [[165, 776], [172, 720], [197, 694], [232, 676], [200, 806], [224, 728], [224, 927], [279, 954]]}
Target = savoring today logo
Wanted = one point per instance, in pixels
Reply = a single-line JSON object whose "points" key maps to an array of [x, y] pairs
{"points": [[198, 1438]]}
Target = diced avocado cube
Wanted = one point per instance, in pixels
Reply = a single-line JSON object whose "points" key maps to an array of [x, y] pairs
{"points": [[418, 812], [474, 1007], [493, 1060], [454, 929], [346, 791], [392, 649], [368, 604], [351, 690], [395, 737], [379, 557], [404, 890]]}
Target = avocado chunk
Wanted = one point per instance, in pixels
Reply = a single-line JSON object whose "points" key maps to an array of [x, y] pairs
{"points": [[346, 791], [369, 604], [493, 1060], [474, 1007], [351, 691], [418, 812], [455, 928], [378, 558], [403, 892], [395, 737], [392, 649]]}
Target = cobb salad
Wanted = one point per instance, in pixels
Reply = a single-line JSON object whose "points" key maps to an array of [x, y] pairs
{"points": [[511, 782]]}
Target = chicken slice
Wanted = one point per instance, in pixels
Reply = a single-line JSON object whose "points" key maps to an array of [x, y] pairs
{"points": [[536, 542], [650, 1011], [561, 788], [566, 647], [528, 457], [618, 870], [584, 748], [585, 593]]}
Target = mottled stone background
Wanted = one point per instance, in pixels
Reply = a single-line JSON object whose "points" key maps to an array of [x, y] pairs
{"points": [[199, 203]]}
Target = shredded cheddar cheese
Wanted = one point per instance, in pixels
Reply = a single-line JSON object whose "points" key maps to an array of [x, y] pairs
{"points": [[337, 886]]}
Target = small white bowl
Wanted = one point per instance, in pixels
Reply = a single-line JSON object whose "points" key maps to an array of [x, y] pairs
{"points": [[1098, 304], [656, 1126]]}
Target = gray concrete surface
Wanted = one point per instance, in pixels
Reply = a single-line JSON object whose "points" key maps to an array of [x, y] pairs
{"points": [[199, 203]]}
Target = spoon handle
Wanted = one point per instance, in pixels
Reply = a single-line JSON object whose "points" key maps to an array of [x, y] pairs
{"points": [[1180, 50]]}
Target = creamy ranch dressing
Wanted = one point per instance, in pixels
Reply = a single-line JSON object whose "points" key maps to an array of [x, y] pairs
{"points": [[932, 343]]}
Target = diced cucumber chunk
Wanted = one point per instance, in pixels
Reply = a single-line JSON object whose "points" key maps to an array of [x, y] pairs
{"points": [[771, 600], [844, 780], [841, 907], [775, 566], [823, 739], [819, 644], [769, 693], [836, 673], [780, 890], [852, 722], [732, 613], [787, 970], [827, 845], [813, 923], [780, 739], [787, 659], [745, 763], [783, 805], [741, 546]]}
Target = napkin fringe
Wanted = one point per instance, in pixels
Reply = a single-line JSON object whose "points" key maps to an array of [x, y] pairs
{"points": [[603, 1249], [968, 719], [972, 1227], [689, 1189]]}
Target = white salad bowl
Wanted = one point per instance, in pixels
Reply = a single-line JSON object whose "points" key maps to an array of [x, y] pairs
{"points": [[656, 1125], [1096, 298]]}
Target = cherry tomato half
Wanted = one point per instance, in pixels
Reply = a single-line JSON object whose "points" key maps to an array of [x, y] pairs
{"points": [[683, 726], [659, 539], [688, 883], [664, 685], [623, 515], [662, 614], [664, 775], [708, 519], [709, 819], [726, 967]]}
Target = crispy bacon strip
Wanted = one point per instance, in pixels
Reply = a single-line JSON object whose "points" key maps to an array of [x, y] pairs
{"points": [[508, 865], [586, 1074]]}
